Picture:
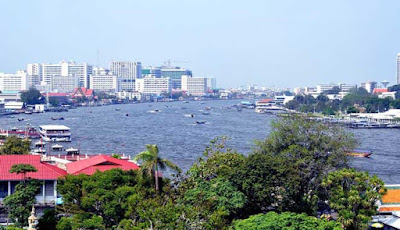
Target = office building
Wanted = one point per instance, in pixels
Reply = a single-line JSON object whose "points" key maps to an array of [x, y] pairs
{"points": [[127, 72], [153, 85], [14, 82], [64, 84], [103, 80], [175, 73], [151, 72], [34, 72], [195, 86]]}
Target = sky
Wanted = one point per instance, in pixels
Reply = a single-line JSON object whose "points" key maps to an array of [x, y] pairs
{"points": [[285, 43]]}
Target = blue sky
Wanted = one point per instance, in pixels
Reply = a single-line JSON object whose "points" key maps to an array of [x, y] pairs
{"points": [[269, 43]]}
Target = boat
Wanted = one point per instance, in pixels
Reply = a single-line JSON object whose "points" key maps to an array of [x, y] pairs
{"points": [[200, 122], [40, 144], [127, 114], [207, 108], [29, 132], [28, 111], [72, 151], [39, 151], [117, 109], [57, 118], [20, 119], [206, 113], [57, 147], [153, 111], [55, 133], [183, 107], [189, 115], [359, 153], [239, 109]]}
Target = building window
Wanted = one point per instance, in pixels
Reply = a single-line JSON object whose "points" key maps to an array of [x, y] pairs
{"points": [[49, 188]]}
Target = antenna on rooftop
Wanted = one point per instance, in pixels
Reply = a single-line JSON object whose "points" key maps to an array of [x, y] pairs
{"points": [[97, 58]]}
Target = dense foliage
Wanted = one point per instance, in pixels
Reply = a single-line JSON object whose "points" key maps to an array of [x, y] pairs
{"points": [[15, 145], [32, 96], [286, 220], [354, 195]]}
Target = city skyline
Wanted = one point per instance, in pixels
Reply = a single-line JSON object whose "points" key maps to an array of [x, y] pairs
{"points": [[281, 44]]}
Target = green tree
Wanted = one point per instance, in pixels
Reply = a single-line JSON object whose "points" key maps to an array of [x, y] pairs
{"points": [[354, 195], [53, 101], [19, 204], [81, 221], [352, 109], [22, 168], [152, 162], [285, 171], [49, 220], [286, 220], [15, 145], [32, 96]]}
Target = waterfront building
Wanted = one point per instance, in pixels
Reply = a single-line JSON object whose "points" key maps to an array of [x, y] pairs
{"points": [[14, 82], [369, 86], [46, 173], [151, 72], [133, 96], [34, 72], [57, 71], [127, 72], [196, 86], [176, 74], [152, 85], [103, 80], [82, 92], [211, 83], [64, 84]]}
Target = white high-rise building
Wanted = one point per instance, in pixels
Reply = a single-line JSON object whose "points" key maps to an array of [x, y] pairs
{"points": [[127, 72], [14, 82], [398, 68], [211, 83], [154, 85], [196, 86], [103, 80], [35, 75], [64, 84], [369, 86], [64, 69]]}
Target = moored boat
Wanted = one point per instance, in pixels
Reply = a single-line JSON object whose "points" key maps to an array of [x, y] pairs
{"points": [[359, 153]]}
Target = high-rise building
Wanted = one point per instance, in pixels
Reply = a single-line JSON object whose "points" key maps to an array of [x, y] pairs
{"points": [[127, 72], [151, 72], [64, 69], [196, 86], [398, 68], [211, 83], [153, 85], [175, 73], [64, 84], [14, 82], [103, 80], [34, 72], [369, 86]]}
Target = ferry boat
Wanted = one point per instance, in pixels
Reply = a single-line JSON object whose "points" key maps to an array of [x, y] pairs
{"points": [[72, 151], [40, 144], [55, 133], [57, 147]]}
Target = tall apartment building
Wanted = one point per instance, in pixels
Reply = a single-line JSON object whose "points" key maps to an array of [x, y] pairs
{"points": [[34, 72], [14, 82], [398, 68], [64, 84], [103, 80], [196, 86], [154, 85], [127, 72], [343, 87], [64, 69], [176, 74]]}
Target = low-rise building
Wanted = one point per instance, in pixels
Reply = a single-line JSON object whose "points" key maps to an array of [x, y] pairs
{"points": [[104, 80], [132, 96]]}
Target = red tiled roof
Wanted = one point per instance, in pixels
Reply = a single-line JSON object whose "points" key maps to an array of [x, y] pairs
{"points": [[101, 163], [377, 90], [45, 170], [266, 100], [55, 94], [85, 91]]}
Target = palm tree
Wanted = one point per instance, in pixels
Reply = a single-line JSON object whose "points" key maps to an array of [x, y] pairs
{"points": [[151, 162]]}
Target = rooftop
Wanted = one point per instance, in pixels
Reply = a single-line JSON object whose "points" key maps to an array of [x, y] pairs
{"points": [[54, 127], [101, 163]]}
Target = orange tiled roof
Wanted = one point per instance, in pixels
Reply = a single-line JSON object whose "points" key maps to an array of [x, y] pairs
{"points": [[379, 90], [392, 196], [389, 209]]}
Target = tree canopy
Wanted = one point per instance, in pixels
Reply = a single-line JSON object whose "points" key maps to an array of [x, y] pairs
{"points": [[15, 145], [32, 96]]}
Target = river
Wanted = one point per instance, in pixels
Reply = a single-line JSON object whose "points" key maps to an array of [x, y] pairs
{"points": [[107, 129]]}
